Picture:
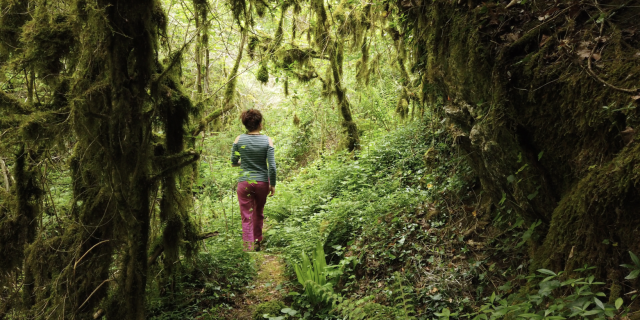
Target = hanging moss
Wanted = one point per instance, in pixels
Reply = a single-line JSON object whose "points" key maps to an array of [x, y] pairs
{"points": [[362, 65], [261, 7], [402, 108], [12, 20], [254, 41], [263, 74], [238, 9], [286, 86]]}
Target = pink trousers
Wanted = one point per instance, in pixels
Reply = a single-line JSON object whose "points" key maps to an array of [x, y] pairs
{"points": [[252, 198]]}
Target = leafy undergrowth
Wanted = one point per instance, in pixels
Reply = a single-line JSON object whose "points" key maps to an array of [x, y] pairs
{"points": [[199, 289], [408, 210]]}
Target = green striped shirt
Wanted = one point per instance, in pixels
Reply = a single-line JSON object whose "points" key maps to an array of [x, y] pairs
{"points": [[256, 156]]}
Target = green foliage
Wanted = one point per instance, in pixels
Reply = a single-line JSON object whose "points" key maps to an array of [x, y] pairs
{"points": [[635, 267], [312, 275], [212, 278], [366, 308], [554, 300], [268, 309]]}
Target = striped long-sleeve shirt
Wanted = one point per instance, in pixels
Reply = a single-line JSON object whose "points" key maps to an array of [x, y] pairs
{"points": [[256, 157]]}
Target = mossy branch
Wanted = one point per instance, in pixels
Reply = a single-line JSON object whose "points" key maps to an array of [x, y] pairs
{"points": [[168, 171], [13, 104], [176, 58], [160, 248]]}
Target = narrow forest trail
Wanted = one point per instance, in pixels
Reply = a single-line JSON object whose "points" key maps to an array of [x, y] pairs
{"points": [[267, 286]]}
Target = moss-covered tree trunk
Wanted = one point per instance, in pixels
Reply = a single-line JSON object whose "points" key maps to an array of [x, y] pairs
{"points": [[336, 56], [325, 41]]}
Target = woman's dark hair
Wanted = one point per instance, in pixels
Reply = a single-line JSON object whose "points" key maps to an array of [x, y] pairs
{"points": [[251, 119]]}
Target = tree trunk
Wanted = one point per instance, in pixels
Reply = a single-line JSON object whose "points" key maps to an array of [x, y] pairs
{"points": [[353, 136], [324, 41]]}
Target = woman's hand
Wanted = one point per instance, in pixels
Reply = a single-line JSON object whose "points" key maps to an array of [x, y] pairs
{"points": [[273, 191]]}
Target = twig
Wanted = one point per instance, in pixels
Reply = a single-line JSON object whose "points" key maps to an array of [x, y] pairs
{"points": [[95, 245], [94, 291]]}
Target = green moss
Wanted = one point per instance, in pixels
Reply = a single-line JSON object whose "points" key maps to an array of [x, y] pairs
{"points": [[261, 7], [263, 74], [272, 308], [254, 41]]}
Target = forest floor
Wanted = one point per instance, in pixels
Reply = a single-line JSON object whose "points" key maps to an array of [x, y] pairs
{"points": [[268, 285]]}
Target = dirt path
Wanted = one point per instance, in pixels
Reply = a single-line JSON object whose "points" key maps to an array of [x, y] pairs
{"points": [[268, 285]]}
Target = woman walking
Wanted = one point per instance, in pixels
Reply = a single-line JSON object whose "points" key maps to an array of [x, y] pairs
{"points": [[254, 153]]}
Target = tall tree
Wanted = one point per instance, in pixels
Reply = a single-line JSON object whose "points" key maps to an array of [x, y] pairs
{"points": [[107, 94]]}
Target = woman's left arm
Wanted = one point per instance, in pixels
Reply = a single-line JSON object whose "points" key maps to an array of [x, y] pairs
{"points": [[271, 160]]}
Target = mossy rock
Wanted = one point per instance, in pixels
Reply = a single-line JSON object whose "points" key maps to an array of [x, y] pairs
{"points": [[272, 308]]}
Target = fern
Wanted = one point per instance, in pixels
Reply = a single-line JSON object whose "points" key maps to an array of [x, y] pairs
{"points": [[365, 308], [323, 294], [404, 303], [354, 310], [313, 276]]}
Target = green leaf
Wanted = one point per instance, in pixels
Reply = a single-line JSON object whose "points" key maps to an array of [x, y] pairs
{"points": [[511, 179], [547, 272], [634, 274], [541, 152], [493, 297], [592, 312], [598, 303], [529, 315], [619, 302], [634, 258]]}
